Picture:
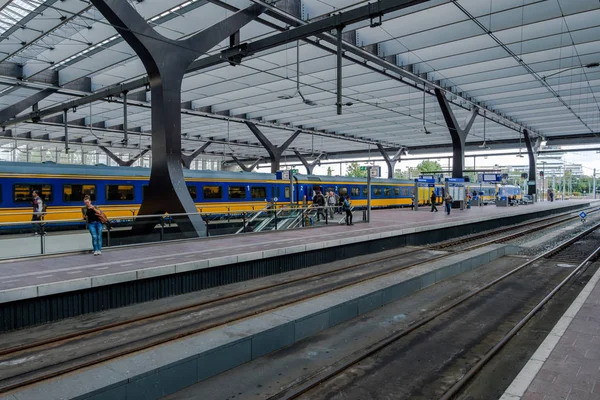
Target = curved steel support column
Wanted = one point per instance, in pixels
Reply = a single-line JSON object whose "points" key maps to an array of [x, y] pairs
{"points": [[391, 162], [310, 166], [275, 152], [243, 166], [186, 160], [533, 146], [166, 61], [119, 161], [458, 134]]}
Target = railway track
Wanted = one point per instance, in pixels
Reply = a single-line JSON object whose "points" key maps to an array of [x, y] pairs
{"points": [[72, 347], [579, 250]]}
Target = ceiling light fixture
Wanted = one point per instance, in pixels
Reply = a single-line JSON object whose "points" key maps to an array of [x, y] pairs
{"points": [[424, 128], [590, 65], [306, 101]]}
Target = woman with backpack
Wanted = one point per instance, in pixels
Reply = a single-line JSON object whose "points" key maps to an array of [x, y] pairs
{"points": [[95, 219]]}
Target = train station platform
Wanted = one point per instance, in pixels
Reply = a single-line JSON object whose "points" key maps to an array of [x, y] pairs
{"points": [[56, 287], [567, 363]]}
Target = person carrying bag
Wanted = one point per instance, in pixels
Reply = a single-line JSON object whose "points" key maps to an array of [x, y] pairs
{"points": [[95, 219]]}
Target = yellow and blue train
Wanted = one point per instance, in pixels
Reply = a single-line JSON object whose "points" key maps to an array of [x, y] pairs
{"points": [[119, 191]]}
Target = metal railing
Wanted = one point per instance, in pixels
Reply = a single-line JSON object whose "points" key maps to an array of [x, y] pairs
{"points": [[68, 235]]}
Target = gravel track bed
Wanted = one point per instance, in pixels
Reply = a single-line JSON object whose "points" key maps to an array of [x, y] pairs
{"points": [[578, 227]]}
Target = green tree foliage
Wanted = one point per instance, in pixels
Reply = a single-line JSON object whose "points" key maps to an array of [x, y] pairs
{"points": [[353, 170], [429, 166], [399, 174]]}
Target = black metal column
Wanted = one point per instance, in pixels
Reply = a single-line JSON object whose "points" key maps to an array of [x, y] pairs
{"points": [[339, 70], [533, 146], [186, 160], [310, 166], [166, 61], [458, 134], [125, 137], [119, 161], [275, 152], [391, 162], [244, 167]]}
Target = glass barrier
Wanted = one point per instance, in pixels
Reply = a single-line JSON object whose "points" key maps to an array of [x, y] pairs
{"points": [[54, 234]]}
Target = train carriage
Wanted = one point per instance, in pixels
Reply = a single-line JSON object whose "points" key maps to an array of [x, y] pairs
{"points": [[120, 190]]}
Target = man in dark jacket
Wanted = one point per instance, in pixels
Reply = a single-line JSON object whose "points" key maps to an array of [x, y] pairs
{"points": [[319, 202], [433, 200]]}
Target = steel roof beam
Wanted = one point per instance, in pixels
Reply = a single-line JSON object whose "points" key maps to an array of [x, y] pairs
{"points": [[275, 152], [12, 110], [244, 167], [310, 166], [186, 160], [120, 162]]}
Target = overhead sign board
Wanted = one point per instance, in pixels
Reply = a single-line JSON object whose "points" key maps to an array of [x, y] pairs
{"points": [[283, 174], [531, 183], [490, 178], [375, 172], [455, 179]]}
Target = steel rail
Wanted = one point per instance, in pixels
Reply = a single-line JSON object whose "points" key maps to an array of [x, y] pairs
{"points": [[327, 373], [178, 333], [242, 293], [460, 384]]}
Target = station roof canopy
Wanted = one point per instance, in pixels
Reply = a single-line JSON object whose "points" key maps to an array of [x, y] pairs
{"points": [[523, 63]]}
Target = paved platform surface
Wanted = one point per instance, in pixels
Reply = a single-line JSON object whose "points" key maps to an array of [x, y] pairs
{"points": [[567, 363], [40, 276]]}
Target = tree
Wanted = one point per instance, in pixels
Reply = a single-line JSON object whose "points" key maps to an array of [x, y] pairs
{"points": [[353, 170], [329, 171], [429, 166], [398, 174]]}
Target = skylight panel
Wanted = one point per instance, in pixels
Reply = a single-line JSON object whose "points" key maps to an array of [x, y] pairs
{"points": [[15, 11]]}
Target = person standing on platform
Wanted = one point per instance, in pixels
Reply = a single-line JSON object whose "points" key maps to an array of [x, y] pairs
{"points": [[38, 207], [92, 216], [347, 206], [319, 202], [448, 202], [433, 200], [331, 202]]}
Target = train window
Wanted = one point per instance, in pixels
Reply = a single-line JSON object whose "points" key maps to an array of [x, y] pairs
{"points": [[343, 191], [286, 192], [0, 193], [387, 192], [365, 191], [193, 191], [213, 192], [237, 192], [396, 191], [119, 192], [276, 193], [76, 192], [355, 191], [22, 192], [258, 192], [377, 191]]}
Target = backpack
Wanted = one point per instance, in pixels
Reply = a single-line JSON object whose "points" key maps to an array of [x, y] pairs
{"points": [[101, 216], [346, 205]]}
